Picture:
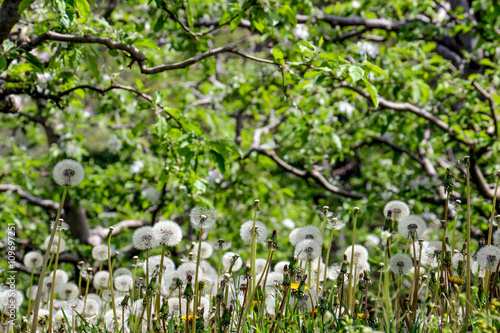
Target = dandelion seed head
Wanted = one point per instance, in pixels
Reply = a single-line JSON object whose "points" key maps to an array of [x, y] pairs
{"points": [[206, 250], [227, 260], [169, 233], [68, 173], [154, 264], [188, 269], [288, 223], [274, 279], [68, 291], [61, 276], [175, 307], [100, 252], [309, 232], [55, 241], [122, 271], [412, 226], [101, 280], [92, 308], [145, 238], [488, 257], [123, 282], [335, 224], [11, 299], [280, 266], [202, 218], [401, 264], [207, 268], [246, 232], [398, 209], [360, 254], [33, 260], [307, 249]]}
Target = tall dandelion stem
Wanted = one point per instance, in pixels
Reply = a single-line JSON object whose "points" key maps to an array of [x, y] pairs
{"points": [[196, 288], [110, 267], [254, 243], [38, 298], [468, 279], [327, 259], [351, 288], [490, 231], [53, 285], [325, 212]]}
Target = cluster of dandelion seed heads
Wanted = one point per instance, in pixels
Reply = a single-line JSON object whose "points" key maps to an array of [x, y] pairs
{"points": [[202, 218]]}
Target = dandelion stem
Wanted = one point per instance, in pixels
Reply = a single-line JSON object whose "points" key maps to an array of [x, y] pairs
{"points": [[86, 293], [490, 231], [158, 297], [327, 259], [195, 307], [351, 288], [110, 267], [53, 285], [325, 212], [44, 266], [467, 285]]}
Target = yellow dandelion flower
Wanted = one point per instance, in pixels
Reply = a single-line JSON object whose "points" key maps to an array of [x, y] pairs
{"points": [[295, 286], [190, 317], [456, 280]]}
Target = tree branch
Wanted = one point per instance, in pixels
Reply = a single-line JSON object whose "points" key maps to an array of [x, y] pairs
{"points": [[9, 16], [492, 102], [44, 203]]}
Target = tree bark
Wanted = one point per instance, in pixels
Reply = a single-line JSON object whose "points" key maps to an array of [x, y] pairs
{"points": [[8, 17], [76, 218]]}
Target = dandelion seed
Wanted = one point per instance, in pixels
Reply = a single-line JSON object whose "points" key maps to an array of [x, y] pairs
{"points": [[101, 280], [168, 233], [412, 226], [488, 257], [401, 264], [228, 258], [202, 218], [335, 224], [33, 260], [398, 209], [260, 232], [360, 254], [68, 291], [175, 308], [122, 271], [206, 250], [68, 173], [100, 252], [307, 249], [154, 264], [308, 232], [145, 238], [10, 299], [188, 269]]}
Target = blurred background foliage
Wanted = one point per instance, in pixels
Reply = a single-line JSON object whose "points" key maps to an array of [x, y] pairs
{"points": [[336, 103]]}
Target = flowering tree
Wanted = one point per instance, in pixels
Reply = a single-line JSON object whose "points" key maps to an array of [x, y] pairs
{"points": [[169, 103]]}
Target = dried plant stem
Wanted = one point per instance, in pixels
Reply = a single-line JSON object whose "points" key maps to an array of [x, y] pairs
{"points": [[44, 266], [86, 293], [490, 231], [351, 264]]}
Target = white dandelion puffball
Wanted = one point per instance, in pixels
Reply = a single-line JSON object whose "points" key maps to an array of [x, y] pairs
{"points": [[154, 264], [122, 271], [169, 233], [335, 224], [206, 250], [275, 279], [61, 276], [308, 232], [488, 257], [100, 252], [68, 173], [167, 282], [496, 237], [401, 264], [92, 308], [175, 307], [123, 283], [280, 266], [308, 249], [398, 209], [288, 223], [55, 242], [33, 260], [68, 291], [260, 264], [11, 299], [227, 259], [145, 238], [202, 218], [246, 232], [360, 255], [457, 258], [101, 279], [188, 269], [207, 268], [412, 226]]}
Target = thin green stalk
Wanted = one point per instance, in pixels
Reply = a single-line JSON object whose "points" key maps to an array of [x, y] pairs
{"points": [[327, 259], [158, 296], [29, 298], [490, 231], [325, 212], [467, 285], [53, 286], [89, 277], [351, 264], [44, 266], [254, 244], [196, 289], [110, 267]]}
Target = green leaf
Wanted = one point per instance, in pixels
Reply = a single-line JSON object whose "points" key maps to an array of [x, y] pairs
{"points": [[146, 43], [337, 141], [23, 5], [93, 65], [496, 98], [234, 23], [198, 184], [372, 91], [159, 23], [219, 161], [3, 63], [139, 84], [33, 60], [376, 69], [356, 73], [278, 56], [83, 7], [161, 127]]}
